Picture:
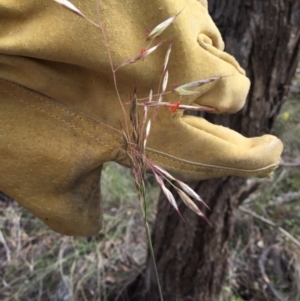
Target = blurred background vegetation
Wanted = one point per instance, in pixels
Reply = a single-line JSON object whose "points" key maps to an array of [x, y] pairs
{"points": [[38, 264]]}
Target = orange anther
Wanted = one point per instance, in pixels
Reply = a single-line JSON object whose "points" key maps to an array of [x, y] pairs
{"points": [[174, 107], [142, 52]]}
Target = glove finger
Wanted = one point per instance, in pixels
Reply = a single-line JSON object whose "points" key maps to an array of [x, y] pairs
{"points": [[195, 149], [228, 94]]}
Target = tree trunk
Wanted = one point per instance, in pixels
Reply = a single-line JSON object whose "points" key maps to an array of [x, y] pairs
{"points": [[264, 36]]}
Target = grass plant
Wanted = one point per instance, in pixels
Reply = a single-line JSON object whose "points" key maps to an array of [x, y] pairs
{"points": [[136, 133], [135, 137], [39, 264]]}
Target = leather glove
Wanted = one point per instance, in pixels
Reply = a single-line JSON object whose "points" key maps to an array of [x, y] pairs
{"points": [[60, 116]]}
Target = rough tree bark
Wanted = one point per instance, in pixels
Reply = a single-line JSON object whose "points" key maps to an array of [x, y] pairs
{"points": [[264, 36]]}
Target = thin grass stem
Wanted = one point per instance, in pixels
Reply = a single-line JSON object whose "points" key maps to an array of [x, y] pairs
{"points": [[143, 202], [107, 45]]}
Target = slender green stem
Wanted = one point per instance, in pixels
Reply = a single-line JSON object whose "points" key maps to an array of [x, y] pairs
{"points": [[153, 259], [142, 196]]}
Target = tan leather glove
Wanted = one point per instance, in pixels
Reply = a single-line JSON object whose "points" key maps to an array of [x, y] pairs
{"points": [[60, 117]]}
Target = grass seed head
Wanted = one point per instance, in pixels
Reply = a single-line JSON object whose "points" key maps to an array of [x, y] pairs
{"points": [[167, 56], [70, 6], [186, 89], [165, 82], [190, 204], [144, 53], [187, 189], [162, 172], [166, 191], [160, 28]]}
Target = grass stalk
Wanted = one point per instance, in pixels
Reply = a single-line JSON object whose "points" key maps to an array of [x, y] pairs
{"points": [[143, 202]]}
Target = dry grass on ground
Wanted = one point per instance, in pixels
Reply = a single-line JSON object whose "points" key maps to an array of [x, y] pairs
{"points": [[38, 264]]}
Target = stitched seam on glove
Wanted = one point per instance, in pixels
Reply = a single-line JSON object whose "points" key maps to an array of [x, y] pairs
{"points": [[56, 117], [165, 156], [204, 166]]}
